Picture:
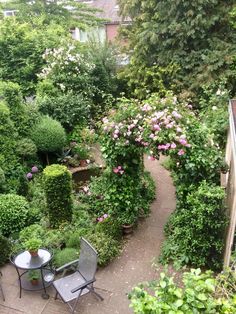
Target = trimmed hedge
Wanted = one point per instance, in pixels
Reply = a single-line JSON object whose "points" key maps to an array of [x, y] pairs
{"points": [[14, 213], [58, 191]]}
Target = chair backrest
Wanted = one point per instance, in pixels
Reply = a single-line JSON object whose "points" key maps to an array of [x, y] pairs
{"points": [[87, 260]]}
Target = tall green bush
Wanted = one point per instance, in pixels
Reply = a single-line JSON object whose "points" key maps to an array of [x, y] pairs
{"points": [[195, 230], [9, 161], [58, 190], [14, 213]]}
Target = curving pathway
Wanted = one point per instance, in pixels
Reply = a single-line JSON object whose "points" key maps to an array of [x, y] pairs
{"points": [[114, 282]]}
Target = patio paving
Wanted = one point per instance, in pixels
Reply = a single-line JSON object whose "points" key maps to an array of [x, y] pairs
{"points": [[134, 265]]}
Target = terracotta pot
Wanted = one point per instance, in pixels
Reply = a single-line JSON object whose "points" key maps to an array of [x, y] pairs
{"points": [[83, 163], [34, 282], [127, 229], [33, 253]]}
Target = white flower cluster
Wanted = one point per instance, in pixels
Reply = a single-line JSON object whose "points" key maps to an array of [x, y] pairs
{"points": [[65, 59]]}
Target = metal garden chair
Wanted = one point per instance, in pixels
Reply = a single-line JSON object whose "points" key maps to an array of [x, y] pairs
{"points": [[71, 287], [1, 288]]}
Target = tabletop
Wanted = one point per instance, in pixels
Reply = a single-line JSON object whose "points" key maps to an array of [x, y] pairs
{"points": [[25, 261]]}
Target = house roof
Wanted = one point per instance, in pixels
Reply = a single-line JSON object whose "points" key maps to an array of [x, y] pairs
{"points": [[110, 10]]}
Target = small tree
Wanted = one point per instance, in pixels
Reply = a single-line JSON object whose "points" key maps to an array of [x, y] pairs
{"points": [[58, 190], [49, 136]]}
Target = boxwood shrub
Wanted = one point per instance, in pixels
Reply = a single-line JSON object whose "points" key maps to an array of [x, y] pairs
{"points": [[48, 135], [58, 191], [14, 213]]}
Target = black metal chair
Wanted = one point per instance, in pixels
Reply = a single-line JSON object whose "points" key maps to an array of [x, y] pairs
{"points": [[80, 282], [1, 288]]}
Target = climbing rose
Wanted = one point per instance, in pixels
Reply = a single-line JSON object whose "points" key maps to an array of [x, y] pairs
{"points": [[183, 141], [181, 152]]}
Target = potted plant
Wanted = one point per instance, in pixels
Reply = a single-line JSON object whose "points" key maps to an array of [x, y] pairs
{"points": [[32, 245], [33, 276], [127, 220], [83, 154]]}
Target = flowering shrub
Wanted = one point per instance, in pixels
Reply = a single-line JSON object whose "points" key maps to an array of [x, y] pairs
{"points": [[154, 126], [102, 218], [68, 69], [142, 127]]}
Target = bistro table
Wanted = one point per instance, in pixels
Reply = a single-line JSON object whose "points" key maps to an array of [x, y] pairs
{"points": [[24, 263]]}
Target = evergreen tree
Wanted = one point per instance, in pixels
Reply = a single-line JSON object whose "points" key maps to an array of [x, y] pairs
{"points": [[185, 43]]}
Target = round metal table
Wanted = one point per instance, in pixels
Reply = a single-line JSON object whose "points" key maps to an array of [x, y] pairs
{"points": [[24, 261]]}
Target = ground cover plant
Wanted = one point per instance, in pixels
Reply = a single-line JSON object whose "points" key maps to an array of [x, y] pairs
{"points": [[199, 293]]}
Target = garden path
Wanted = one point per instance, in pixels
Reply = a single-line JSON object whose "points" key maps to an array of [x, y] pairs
{"points": [[134, 265]]}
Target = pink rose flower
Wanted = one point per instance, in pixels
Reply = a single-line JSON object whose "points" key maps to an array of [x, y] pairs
{"points": [[183, 141], [181, 152]]}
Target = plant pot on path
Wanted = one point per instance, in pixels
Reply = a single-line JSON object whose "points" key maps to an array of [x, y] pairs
{"points": [[127, 229]]}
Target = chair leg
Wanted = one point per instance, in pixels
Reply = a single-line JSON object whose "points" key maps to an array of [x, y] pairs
{"points": [[56, 296], [97, 294], [76, 301]]}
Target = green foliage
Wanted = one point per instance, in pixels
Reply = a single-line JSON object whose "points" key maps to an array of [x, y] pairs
{"points": [[103, 76], [214, 113], [195, 230], [36, 195], [147, 192], [33, 274], [116, 196], [26, 148], [69, 109], [14, 212], [11, 93], [65, 256], [32, 231], [69, 69], [111, 227], [54, 239], [5, 250], [143, 79], [106, 247], [49, 12], [22, 46], [2, 180], [82, 151], [58, 191], [194, 38], [203, 159], [48, 135], [33, 244], [9, 161], [197, 295]]}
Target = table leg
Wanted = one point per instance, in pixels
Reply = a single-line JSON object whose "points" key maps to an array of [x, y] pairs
{"points": [[45, 295]]}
